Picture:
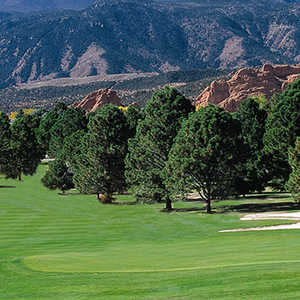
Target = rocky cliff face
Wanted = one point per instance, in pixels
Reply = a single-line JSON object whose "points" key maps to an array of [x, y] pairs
{"points": [[97, 99], [247, 82]]}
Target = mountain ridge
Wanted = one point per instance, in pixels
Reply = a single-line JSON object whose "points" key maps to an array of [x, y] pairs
{"points": [[39, 5], [129, 36]]}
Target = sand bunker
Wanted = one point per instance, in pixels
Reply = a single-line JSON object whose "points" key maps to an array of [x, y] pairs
{"points": [[269, 216], [272, 216]]}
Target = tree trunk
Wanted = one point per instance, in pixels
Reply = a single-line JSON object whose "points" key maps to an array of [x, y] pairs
{"points": [[157, 198], [20, 176], [208, 206], [99, 197], [168, 204], [105, 198]]}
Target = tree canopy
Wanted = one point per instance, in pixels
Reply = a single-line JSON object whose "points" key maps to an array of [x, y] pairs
{"points": [[293, 185], [68, 122], [282, 128], [100, 166], [255, 170], [149, 149], [25, 152], [58, 175], [206, 155], [4, 142], [133, 115], [47, 122]]}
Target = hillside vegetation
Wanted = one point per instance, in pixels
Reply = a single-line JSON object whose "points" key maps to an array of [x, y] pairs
{"points": [[138, 90], [147, 36]]}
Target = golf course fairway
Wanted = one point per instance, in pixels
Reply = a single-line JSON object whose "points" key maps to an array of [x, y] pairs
{"points": [[72, 247]]}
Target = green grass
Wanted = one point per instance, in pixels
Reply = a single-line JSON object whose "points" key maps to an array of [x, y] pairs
{"points": [[72, 247]]}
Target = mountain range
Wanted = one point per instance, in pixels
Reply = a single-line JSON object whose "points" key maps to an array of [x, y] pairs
{"points": [[38, 5], [124, 36], [35, 5]]}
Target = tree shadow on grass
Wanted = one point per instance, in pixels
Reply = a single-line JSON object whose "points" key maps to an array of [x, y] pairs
{"points": [[183, 210], [124, 203], [193, 200], [69, 194], [269, 196], [242, 208], [109, 203], [7, 186], [259, 207], [254, 196], [189, 209]]}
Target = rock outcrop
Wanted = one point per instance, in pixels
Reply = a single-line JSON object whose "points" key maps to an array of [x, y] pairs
{"points": [[248, 82], [97, 99]]}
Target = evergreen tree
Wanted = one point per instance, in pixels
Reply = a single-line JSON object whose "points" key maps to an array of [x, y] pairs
{"points": [[4, 141], [206, 155], [282, 128], [293, 185], [25, 151], [149, 149], [99, 167], [72, 147], [58, 176], [255, 169], [70, 121], [47, 122], [133, 115]]}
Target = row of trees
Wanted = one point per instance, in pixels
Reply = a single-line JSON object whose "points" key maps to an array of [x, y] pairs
{"points": [[166, 150]]}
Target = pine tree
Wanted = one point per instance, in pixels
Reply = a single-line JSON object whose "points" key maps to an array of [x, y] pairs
{"points": [[25, 151], [72, 147], [70, 121], [133, 115], [99, 168], [293, 185], [149, 149], [58, 176], [282, 128], [4, 142], [206, 155], [47, 122], [255, 169]]}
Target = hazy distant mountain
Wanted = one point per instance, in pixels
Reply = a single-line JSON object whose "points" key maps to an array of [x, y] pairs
{"points": [[119, 36], [33, 5], [38, 5]]}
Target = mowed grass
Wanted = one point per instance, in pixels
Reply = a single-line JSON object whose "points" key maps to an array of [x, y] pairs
{"points": [[72, 247]]}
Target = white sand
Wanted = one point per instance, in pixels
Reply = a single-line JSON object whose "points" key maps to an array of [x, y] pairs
{"points": [[269, 216], [272, 216]]}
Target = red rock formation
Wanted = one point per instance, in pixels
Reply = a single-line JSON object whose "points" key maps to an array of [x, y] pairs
{"points": [[248, 82], [98, 98]]}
